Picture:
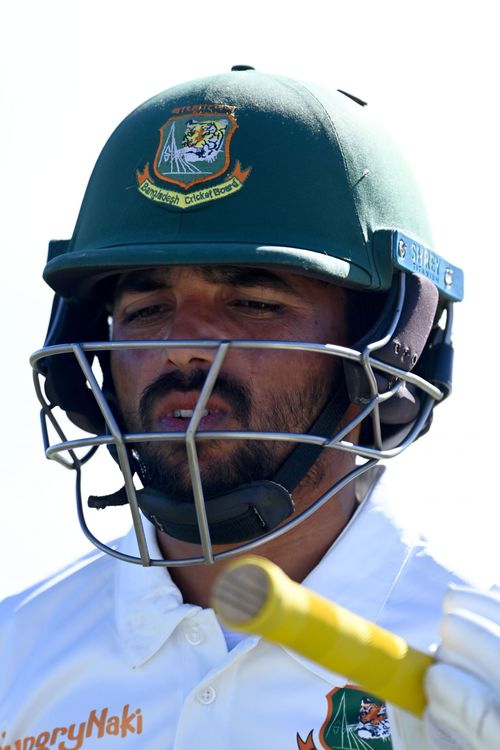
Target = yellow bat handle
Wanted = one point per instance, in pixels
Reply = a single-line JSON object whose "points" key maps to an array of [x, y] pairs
{"points": [[254, 595]]}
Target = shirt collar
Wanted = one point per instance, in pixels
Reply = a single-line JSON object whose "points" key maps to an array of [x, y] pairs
{"points": [[148, 604], [362, 566]]}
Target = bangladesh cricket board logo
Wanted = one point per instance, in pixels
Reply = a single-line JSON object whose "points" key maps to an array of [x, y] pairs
{"points": [[355, 721], [194, 148]]}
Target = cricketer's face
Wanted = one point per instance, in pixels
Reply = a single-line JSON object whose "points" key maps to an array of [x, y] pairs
{"points": [[258, 389]]}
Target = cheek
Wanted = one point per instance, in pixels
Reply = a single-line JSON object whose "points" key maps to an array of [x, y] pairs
{"points": [[329, 329], [129, 370], [270, 373]]}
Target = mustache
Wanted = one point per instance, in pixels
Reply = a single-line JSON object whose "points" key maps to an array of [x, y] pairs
{"points": [[234, 393]]}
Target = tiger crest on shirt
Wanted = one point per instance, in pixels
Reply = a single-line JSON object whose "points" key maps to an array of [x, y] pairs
{"points": [[355, 720]]}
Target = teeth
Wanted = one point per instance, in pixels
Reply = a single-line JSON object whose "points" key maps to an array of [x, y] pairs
{"points": [[188, 413]]}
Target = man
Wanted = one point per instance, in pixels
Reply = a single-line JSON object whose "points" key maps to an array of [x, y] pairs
{"points": [[249, 316]]}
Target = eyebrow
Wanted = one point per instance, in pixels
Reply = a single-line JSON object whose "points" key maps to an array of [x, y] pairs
{"points": [[152, 279], [245, 276], [139, 281]]}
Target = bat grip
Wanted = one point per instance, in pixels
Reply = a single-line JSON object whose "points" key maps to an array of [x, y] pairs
{"points": [[254, 595]]}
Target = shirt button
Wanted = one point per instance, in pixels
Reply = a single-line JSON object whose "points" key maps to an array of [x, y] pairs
{"points": [[194, 635], [207, 695]]}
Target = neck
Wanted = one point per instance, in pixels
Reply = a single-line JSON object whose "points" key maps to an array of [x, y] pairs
{"points": [[296, 551]]}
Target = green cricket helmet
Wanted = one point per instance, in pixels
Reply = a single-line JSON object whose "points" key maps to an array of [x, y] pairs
{"points": [[243, 168], [257, 170]]}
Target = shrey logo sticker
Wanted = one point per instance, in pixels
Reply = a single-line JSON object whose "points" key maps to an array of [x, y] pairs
{"points": [[355, 721], [194, 148]]}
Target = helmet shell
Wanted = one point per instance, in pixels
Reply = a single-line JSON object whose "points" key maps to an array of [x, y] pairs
{"points": [[243, 168]]}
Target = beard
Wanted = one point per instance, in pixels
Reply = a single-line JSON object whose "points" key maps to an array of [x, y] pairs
{"points": [[223, 464]]}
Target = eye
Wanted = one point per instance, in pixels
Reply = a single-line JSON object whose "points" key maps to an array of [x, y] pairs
{"points": [[257, 308], [146, 314]]}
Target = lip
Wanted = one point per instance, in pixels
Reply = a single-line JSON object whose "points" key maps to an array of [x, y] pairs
{"points": [[168, 421]]}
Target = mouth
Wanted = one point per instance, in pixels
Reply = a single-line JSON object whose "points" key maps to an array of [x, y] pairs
{"points": [[176, 414], [179, 419]]}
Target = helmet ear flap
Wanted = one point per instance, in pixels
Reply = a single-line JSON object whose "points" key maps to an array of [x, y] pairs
{"points": [[403, 350], [414, 326], [65, 384]]}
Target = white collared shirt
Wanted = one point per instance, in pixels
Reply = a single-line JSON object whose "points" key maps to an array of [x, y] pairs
{"points": [[106, 655]]}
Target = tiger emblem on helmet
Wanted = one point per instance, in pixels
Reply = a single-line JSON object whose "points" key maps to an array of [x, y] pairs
{"points": [[203, 139]]}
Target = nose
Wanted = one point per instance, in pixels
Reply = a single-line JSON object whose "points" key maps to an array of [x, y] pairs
{"points": [[193, 322]]}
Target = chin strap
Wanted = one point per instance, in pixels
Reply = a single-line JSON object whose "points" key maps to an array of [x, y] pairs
{"points": [[239, 515], [249, 510]]}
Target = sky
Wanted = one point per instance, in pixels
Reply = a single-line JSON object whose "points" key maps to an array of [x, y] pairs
{"points": [[71, 71]]}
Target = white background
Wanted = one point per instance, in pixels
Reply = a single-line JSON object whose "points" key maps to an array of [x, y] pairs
{"points": [[429, 70]]}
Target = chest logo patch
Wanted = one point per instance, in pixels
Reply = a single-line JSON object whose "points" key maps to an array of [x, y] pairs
{"points": [[355, 721], [194, 148]]}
